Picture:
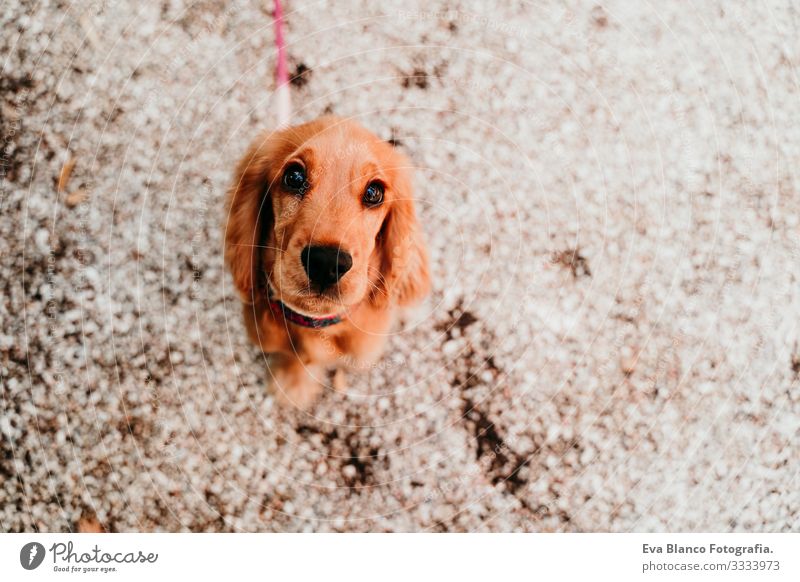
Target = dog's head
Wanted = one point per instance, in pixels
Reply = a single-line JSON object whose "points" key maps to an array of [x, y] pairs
{"points": [[323, 214]]}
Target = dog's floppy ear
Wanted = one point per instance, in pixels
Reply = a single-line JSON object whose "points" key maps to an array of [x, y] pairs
{"points": [[249, 214], [404, 258]]}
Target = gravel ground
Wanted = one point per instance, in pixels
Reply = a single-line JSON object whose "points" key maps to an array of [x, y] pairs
{"points": [[611, 200]]}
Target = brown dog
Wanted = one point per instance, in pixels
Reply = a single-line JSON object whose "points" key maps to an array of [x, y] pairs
{"points": [[323, 244]]}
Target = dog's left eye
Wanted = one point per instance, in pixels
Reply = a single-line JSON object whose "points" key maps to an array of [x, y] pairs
{"points": [[294, 178], [373, 195]]}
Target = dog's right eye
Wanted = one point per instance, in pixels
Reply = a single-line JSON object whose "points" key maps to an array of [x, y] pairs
{"points": [[294, 178]]}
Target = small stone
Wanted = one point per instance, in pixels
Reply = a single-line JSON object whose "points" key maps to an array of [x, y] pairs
{"points": [[76, 197]]}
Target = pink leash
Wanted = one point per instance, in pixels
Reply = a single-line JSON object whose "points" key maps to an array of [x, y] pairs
{"points": [[282, 94]]}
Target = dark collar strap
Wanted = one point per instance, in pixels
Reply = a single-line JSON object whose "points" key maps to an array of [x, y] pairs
{"points": [[279, 308]]}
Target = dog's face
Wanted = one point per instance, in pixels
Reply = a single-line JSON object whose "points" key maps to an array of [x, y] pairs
{"points": [[323, 214]]}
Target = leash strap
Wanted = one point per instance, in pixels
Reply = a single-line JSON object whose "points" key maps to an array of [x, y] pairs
{"points": [[282, 95]]}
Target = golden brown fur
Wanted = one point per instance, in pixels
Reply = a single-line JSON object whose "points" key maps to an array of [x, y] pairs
{"points": [[268, 226]]}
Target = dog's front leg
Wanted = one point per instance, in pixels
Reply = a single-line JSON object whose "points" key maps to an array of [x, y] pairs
{"points": [[295, 382]]}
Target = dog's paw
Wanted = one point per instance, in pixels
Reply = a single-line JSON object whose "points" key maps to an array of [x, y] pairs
{"points": [[295, 386], [339, 380]]}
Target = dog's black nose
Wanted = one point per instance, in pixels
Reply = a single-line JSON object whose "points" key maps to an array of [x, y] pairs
{"points": [[325, 265]]}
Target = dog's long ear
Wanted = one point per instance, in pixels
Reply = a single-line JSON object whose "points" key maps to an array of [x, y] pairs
{"points": [[249, 214], [404, 257]]}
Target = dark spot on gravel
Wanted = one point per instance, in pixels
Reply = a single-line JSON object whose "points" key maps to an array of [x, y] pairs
{"points": [[84, 256], [505, 464], [327, 437], [457, 318], [574, 261], [358, 461], [393, 141], [364, 475], [473, 364], [465, 319], [599, 17], [419, 79], [796, 365], [13, 85], [197, 271], [133, 425], [215, 505], [169, 294], [7, 470], [15, 94], [35, 265], [301, 75]]}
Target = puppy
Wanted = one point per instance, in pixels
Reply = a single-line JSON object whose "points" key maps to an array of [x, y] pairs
{"points": [[324, 247]]}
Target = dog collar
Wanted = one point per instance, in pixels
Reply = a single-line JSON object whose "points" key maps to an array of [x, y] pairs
{"points": [[279, 308]]}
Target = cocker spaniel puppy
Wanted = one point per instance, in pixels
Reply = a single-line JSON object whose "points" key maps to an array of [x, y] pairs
{"points": [[323, 244]]}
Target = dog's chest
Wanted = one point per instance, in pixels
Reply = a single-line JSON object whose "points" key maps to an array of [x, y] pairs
{"points": [[278, 335]]}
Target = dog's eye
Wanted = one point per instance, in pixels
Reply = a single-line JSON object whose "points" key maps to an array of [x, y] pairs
{"points": [[294, 178], [373, 195]]}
